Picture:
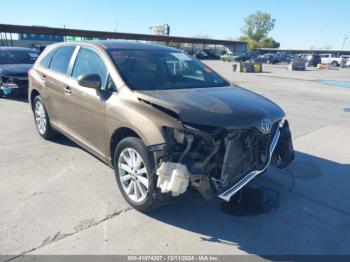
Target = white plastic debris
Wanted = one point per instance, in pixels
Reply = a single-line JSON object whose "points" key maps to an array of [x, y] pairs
{"points": [[173, 177]]}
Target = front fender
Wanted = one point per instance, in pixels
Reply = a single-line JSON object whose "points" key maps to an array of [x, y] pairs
{"points": [[143, 119]]}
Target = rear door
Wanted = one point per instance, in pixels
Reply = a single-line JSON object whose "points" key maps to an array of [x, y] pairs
{"points": [[84, 108], [55, 79]]}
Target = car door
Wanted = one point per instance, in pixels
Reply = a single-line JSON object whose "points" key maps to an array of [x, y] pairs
{"points": [[54, 75], [84, 108]]}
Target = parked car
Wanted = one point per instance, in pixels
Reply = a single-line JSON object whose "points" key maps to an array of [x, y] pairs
{"points": [[284, 57], [161, 119], [346, 57], [268, 58], [206, 54], [229, 57], [347, 63], [189, 51], [251, 56], [344, 60], [14, 65], [332, 59], [39, 48], [309, 59]]}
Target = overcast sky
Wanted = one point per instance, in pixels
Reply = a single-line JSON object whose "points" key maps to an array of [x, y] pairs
{"points": [[299, 23]]}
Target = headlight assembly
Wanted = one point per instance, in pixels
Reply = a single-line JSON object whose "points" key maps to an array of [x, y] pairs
{"points": [[8, 82], [174, 134], [281, 123]]}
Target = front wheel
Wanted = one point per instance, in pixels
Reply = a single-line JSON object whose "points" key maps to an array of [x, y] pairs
{"points": [[134, 166], [335, 63], [41, 118]]}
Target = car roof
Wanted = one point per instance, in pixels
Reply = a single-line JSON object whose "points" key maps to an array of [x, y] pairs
{"points": [[10, 48], [119, 44]]}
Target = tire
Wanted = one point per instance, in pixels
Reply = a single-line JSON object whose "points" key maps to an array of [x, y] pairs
{"points": [[140, 194], [42, 121], [335, 63], [1, 93]]}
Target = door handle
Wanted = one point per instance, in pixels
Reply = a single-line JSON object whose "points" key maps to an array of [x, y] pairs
{"points": [[67, 90], [43, 77]]}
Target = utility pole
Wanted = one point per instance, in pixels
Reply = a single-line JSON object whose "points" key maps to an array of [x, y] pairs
{"points": [[116, 26]]}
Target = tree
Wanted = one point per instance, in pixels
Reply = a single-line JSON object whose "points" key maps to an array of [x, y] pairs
{"points": [[269, 43], [258, 25], [256, 30], [265, 42], [252, 44]]}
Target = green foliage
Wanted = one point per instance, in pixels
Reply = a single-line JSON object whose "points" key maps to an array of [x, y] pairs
{"points": [[252, 44], [258, 25], [256, 30], [269, 43]]}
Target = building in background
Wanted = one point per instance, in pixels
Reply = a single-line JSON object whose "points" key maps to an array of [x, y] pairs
{"points": [[37, 36], [40, 38], [78, 38], [160, 30]]}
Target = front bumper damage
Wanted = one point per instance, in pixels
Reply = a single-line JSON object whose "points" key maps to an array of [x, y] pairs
{"points": [[227, 194], [219, 162]]}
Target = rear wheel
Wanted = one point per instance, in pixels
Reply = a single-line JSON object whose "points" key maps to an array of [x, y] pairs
{"points": [[134, 171], [335, 63], [41, 118]]}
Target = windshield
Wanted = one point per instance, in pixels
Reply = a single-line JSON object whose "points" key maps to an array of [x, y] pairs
{"points": [[158, 69], [17, 57]]}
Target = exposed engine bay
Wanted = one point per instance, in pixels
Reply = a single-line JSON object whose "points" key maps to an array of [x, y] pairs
{"points": [[219, 161]]}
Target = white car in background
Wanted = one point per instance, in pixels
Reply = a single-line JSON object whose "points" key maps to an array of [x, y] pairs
{"points": [[332, 59], [347, 64]]}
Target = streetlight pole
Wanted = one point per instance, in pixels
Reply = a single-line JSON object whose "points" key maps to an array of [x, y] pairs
{"points": [[346, 38]]}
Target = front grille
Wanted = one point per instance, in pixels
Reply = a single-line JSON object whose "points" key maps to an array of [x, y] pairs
{"points": [[246, 151]]}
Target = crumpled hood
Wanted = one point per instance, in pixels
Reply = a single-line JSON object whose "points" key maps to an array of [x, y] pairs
{"points": [[17, 70], [228, 107]]}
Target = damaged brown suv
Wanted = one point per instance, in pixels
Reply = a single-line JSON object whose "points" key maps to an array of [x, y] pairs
{"points": [[160, 118]]}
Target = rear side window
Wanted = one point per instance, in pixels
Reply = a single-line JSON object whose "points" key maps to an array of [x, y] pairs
{"points": [[89, 62], [61, 58], [45, 62]]}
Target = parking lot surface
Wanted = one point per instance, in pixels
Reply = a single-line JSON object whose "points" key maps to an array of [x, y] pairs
{"points": [[56, 198]]}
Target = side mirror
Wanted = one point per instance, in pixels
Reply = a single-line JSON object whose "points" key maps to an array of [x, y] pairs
{"points": [[90, 81]]}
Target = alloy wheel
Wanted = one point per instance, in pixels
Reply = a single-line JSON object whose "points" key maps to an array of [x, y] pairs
{"points": [[40, 117], [133, 175]]}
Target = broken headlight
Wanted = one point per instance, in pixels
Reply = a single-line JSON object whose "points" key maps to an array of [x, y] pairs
{"points": [[174, 135]]}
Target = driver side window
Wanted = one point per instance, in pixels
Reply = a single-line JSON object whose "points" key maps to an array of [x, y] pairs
{"points": [[89, 62]]}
